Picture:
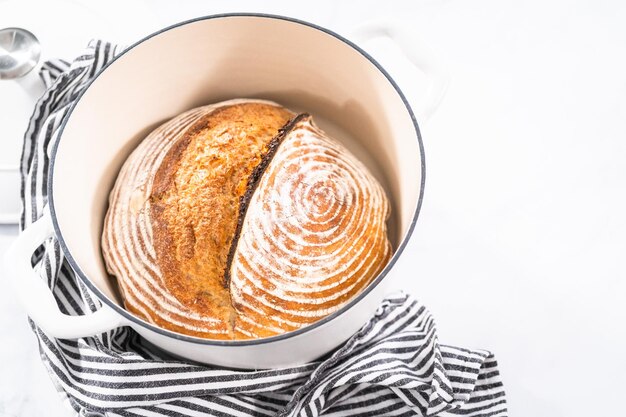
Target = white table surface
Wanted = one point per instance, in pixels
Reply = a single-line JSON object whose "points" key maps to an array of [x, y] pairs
{"points": [[520, 244]]}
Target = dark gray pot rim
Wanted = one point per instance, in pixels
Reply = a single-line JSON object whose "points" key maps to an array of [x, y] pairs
{"points": [[252, 342]]}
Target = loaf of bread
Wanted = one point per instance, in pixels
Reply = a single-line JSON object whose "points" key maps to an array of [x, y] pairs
{"points": [[242, 220]]}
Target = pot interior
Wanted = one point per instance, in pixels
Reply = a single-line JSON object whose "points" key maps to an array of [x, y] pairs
{"points": [[215, 59]]}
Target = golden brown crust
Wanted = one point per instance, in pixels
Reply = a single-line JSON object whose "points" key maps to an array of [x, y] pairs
{"points": [[194, 221]]}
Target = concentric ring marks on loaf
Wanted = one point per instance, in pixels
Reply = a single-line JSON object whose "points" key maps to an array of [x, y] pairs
{"points": [[228, 222], [314, 235]]}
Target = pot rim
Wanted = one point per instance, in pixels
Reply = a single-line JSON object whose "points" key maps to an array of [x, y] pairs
{"points": [[249, 342]]}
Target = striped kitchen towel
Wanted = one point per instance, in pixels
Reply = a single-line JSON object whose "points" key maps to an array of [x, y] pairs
{"points": [[394, 366]]}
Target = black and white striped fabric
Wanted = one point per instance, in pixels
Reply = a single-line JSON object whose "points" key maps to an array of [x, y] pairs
{"points": [[394, 366]]}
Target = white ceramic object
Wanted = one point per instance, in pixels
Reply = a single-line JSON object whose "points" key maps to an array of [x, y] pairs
{"points": [[202, 61]]}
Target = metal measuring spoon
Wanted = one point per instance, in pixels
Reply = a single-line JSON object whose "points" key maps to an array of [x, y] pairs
{"points": [[19, 53]]}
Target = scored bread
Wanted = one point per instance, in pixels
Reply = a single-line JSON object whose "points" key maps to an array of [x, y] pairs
{"points": [[242, 220]]}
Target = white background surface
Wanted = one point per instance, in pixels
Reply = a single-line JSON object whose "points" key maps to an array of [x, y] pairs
{"points": [[520, 245]]}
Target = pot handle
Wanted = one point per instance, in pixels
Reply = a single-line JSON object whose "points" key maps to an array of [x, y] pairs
{"points": [[37, 299], [406, 57]]}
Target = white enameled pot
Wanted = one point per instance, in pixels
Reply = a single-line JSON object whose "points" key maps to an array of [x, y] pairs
{"points": [[214, 58]]}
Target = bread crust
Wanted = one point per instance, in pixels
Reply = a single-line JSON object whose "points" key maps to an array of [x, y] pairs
{"points": [[177, 235], [253, 182], [314, 235]]}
